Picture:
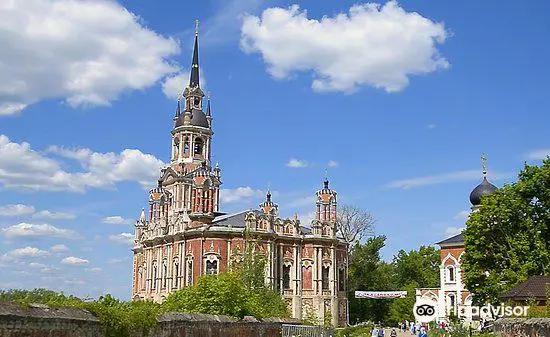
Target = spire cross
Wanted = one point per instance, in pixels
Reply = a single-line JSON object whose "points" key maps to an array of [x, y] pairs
{"points": [[484, 164], [180, 95], [197, 27]]}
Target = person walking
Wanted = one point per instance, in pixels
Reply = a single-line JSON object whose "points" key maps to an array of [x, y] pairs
{"points": [[381, 332], [422, 332], [393, 333], [374, 332]]}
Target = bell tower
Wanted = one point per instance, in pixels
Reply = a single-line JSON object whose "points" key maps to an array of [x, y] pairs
{"points": [[324, 223]]}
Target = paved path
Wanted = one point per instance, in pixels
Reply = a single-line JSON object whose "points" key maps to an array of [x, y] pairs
{"points": [[400, 333]]}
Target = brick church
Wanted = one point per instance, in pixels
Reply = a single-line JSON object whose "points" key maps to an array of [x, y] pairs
{"points": [[452, 297], [184, 235]]}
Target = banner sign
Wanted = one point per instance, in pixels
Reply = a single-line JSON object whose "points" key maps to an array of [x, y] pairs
{"points": [[380, 294]]}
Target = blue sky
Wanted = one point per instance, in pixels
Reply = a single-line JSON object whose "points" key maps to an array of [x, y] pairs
{"points": [[400, 99]]}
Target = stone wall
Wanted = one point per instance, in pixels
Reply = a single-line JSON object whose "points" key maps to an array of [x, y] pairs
{"points": [[515, 327], [191, 325], [43, 321]]}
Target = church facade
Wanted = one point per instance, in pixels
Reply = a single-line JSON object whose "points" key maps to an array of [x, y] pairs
{"points": [[183, 235]]}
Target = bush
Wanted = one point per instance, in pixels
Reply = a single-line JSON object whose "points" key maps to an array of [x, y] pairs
{"points": [[355, 331]]}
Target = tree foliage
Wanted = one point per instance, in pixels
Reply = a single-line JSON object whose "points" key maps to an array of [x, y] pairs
{"points": [[240, 292], [406, 271], [508, 239]]}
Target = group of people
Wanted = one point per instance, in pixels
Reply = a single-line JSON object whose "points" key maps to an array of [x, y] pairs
{"points": [[378, 331]]}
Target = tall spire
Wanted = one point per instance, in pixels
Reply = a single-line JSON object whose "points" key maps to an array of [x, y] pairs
{"points": [[208, 112], [194, 80]]}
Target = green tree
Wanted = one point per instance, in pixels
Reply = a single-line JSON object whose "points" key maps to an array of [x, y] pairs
{"points": [[419, 267], [507, 239], [240, 292], [367, 271]]}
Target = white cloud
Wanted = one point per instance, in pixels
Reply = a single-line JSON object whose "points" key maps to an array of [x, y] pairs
{"points": [[452, 231], [296, 163], [24, 168], [94, 269], [75, 261], [239, 194], [27, 252], [375, 45], [117, 220], [123, 238], [462, 215], [26, 230], [37, 265], [54, 215], [117, 261], [175, 83], [332, 164], [59, 248], [443, 178], [85, 52], [16, 210], [538, 154], [431, 126]]}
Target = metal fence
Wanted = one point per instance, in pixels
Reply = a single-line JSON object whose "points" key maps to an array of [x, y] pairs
{"points": [[306, 331]]}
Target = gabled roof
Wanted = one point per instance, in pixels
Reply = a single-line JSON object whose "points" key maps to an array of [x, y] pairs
{"points": [[453, 240], [535, 287]]}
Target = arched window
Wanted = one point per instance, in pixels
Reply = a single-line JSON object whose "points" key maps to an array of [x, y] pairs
{"points": [[451, 301], [189, 272], [165, 274], [211, 267], [198, 146], [176, 273], [186, 146], [325, 276], [286, 277], [451, 271], [140, 278], [176, 147], [341, 279], [154, 280]]}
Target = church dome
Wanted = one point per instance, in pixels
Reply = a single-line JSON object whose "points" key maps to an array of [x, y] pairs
{"points": [[198, 118], [482, 189]]}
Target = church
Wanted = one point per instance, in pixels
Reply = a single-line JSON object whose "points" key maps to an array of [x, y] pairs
{"points": [[452, 297], [183, 235]]}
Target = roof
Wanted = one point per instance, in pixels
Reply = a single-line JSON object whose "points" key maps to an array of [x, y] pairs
{"points": [[231, 220], [484, 188], [453, 240], [535, 287], [198, 118]]}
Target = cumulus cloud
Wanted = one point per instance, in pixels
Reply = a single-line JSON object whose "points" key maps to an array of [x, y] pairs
{"points": [[16, 210], [116, 220], [238, 194], [54, 215], [297, 163], [59, 248], [21, 167], [84, 52], [332, 164], [26, 230], [74, 261], [27, 252], [459, 176], [123, 238], [375, 45]]}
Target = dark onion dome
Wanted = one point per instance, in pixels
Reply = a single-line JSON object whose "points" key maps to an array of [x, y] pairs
{"points": [[198, 118], [482, 189]]}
